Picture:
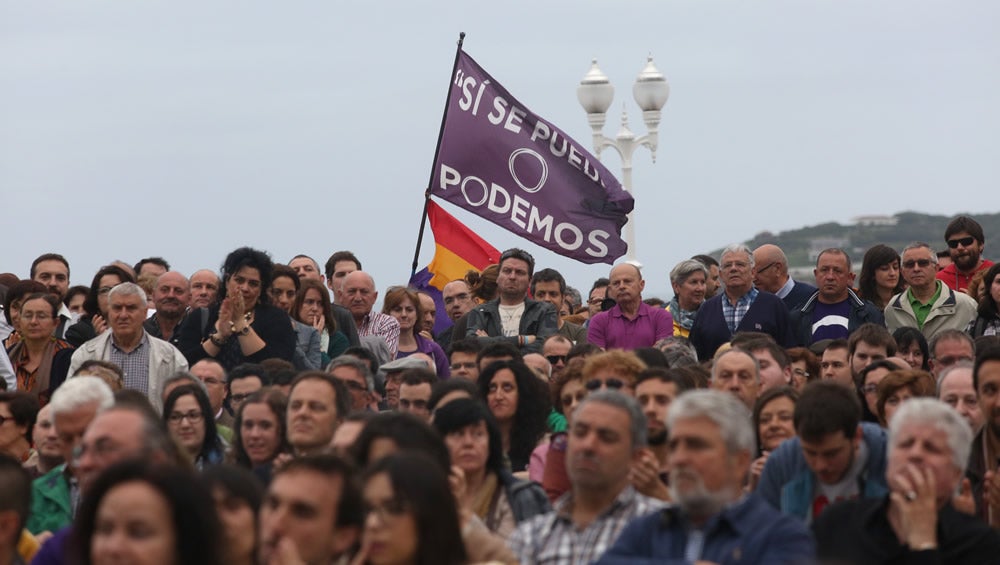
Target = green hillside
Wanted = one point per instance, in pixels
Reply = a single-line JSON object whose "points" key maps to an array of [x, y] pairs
{"points": [[802, 244]]}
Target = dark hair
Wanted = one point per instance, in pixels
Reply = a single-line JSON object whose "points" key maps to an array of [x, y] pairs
{"points": [[651, 356], [499, 349], [681, 379], [197, 532], [74, 291], [254, 259], [407, 432], [983, 356], [211, 446], [443, 388], [826, 407], [877, 256], [572, 371], [965, 224], [515, 253], [342, 402], [872, 334], [15, 489], [532, 409], [279, 270], [706, 260], [463, 412], [583, 349], [548, 275], [359, 352], [277, 403], [988, 308], [247, 370], [763, 400], [17, 292], [48, 257], [23, 407], [417, 376], [602, 282], [906, 337], [425, 493], [467, 345], [337, 257], [239, 484], [324, 300], [483, 284], [920, 383], [395, 296], [349, 508], [768, 344], [90, 304], [159, 261]]}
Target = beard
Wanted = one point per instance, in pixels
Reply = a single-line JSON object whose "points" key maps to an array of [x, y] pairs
{"points": [[966, 262], [697, 500], [656, 437]]}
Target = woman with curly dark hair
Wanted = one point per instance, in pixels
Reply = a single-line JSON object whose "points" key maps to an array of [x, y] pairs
{"points": [[170, 508], [988, 320], [244, 327], [879, 279], [519, 401]]}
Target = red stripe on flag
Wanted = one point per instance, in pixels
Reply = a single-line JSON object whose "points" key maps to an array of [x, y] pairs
{"points": [[459, 239]]}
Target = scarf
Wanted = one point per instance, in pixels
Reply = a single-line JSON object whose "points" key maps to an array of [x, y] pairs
{"points": [[683, 318], [483, 500], [36, 383]]}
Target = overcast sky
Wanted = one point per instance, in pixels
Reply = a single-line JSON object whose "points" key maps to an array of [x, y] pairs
{"points": [[187, 129]]}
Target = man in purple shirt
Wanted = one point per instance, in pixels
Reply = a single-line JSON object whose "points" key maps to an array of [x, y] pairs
{"points": [[631, 323]]}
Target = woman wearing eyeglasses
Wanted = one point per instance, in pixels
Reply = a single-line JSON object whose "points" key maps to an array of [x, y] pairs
{"points": [[40, 361], [519, 401], [189, 418]]}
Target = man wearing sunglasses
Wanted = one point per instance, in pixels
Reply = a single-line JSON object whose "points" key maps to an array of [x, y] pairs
{"points": [[928, 304], [966, 241]]}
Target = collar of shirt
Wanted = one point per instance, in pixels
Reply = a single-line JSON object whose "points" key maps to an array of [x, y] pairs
{"points": [[785, 288], [914, 303], [142, 342], [643, 310], [564, 504]]}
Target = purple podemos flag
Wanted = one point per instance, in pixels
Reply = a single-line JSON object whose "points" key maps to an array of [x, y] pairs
{"points": [[502, 162]]}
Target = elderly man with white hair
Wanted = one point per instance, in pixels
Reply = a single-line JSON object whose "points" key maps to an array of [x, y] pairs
{"points": [[144, 359], [712, 521], [929, 445]]}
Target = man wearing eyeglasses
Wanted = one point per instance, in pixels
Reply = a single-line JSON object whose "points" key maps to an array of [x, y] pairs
{"points": [[772, 276], [928, 304], [458, 301], [966, 241]]}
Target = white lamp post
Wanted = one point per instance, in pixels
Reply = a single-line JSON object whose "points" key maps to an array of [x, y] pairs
{"points": [[650, 91]]}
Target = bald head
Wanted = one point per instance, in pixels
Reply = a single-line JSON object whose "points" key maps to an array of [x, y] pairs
{"points": [[626, 286], [171, 295], [359, 294], [204, 288], [772, 268]]}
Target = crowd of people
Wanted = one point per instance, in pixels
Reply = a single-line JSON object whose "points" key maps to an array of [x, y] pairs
{"points": [[272, 414]]}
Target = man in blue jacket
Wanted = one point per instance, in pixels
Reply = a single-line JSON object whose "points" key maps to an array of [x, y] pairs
{"points": [[712, 520], [835, 456]]}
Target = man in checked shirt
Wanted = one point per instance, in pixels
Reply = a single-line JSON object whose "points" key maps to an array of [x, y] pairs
{"points": [[606, 437]]}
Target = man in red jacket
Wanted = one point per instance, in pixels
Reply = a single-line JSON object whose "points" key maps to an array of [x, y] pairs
{"points": [[965, 245]]}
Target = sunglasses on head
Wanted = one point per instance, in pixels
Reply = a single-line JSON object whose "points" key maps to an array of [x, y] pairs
{"points": [[963, 241], [612, 383]]}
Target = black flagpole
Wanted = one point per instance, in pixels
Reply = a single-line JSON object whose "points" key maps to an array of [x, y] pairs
{"points": [[437, 152]]}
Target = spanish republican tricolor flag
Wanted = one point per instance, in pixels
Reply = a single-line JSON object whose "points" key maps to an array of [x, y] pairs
{"points": [[457, 249]]}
